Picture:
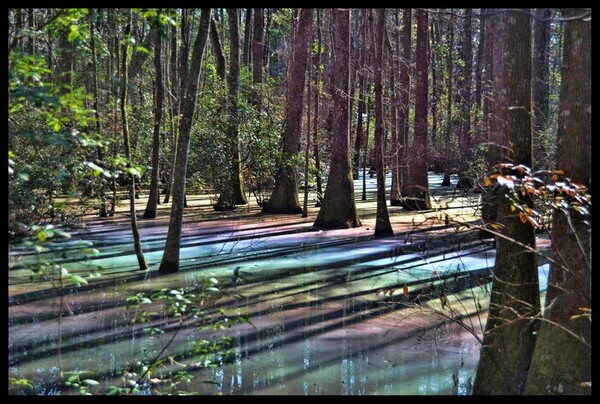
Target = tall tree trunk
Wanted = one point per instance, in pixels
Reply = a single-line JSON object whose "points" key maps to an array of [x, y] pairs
{"points": [[246, 56], [509, 336], [433, 41], [233, 194], [339, 209], [403, 119], [316, 125], [137, 244], [540, 80], [417, 192], [170, 259], [100, 153], [307, 150], [257, 47], [395, 196], [383, 226], [215, 43], [114, 50], [359, 138], [366, 149], [561, 363], [450, 67], [498, 107], [153, 197], [31, 37], [285, 195], [465, 128], [480, 60], [173, 112]]}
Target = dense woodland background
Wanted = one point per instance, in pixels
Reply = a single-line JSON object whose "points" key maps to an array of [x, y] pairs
{"points": [[265, 103]]}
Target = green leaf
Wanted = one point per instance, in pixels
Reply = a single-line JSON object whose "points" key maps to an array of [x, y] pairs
{"points": [[77, 279], [23, 176], [142, 49], [90, 382]]}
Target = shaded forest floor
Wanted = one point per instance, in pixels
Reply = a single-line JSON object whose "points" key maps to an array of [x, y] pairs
{"points": [[331, 312]]}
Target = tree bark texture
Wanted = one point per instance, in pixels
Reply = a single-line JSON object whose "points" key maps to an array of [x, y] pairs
{"points": [[509, 336], [417, 192], [170, 259], [561, 362], [285, 195], [339, 209]]}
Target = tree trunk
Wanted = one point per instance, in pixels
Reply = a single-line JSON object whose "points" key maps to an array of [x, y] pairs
{"points": [[215, 42], [100, 161], [480, 61], [417, 192], [316, 125], [395, 196], [31, 25], [359, 138], [339, 209], [246, 56], [509, 336], [540, 80], [170, 259], [233, 194], [257, 47], [383, 226], [465, 128], [154, 196], [137, 244], [307, 150], [498, 107], [285, 195], [561, 363], [450, 66], [403, 119]]}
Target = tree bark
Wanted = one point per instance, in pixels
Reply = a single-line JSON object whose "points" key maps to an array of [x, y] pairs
{"points": [[233, 194], [137, 244], [465, 128], [383, 226], [509, 336], [170, 259], [403, 119], [316, 124], [498, 107], [100, 154], [257, 47], [215, 42], [561, 363], [285, 195], [339, 209], [247, 47], [153, 197], [540, 80], [417, 192], [395, 195]]}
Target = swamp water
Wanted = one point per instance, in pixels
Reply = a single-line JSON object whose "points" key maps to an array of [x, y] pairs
{"points": [[331, 312]]}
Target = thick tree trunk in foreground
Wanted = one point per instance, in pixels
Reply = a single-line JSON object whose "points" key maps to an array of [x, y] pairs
{"points": [[285, 195], [170, 259], [509, 336], [561, 362], [339, 209], [417, 191]]}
